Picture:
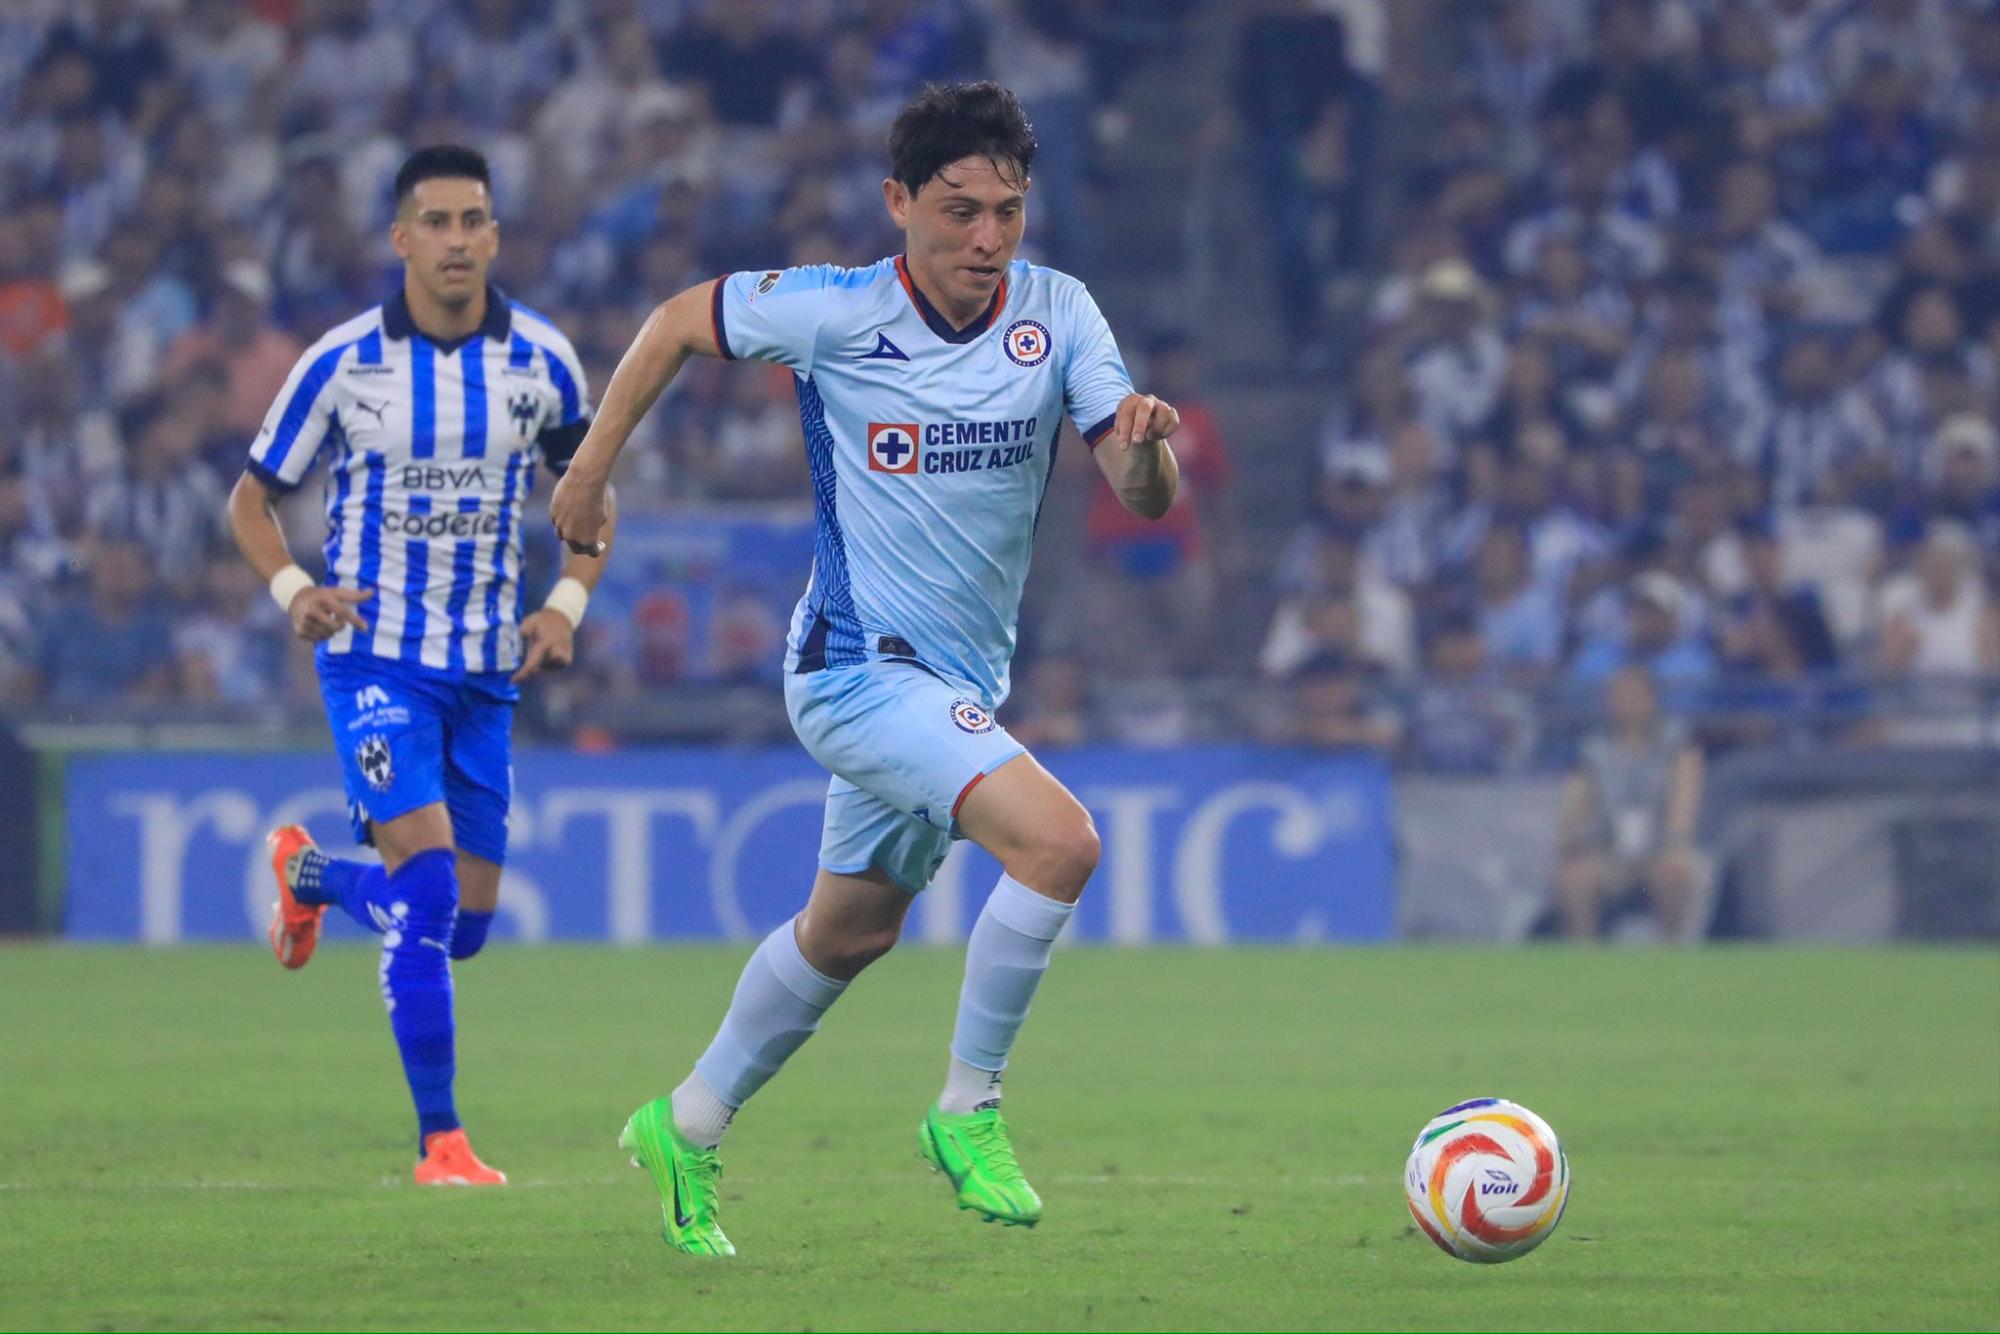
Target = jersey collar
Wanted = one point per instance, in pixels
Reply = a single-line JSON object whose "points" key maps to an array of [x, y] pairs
{"points": [[498, 324], [941, 326]]}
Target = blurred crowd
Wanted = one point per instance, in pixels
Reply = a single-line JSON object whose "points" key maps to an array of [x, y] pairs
{"points": [[193, 190], [1680, 354], [1655, 333]]}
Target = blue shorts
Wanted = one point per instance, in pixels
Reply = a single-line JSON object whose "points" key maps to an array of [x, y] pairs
{"points": [[409, 735], [904, 746]]}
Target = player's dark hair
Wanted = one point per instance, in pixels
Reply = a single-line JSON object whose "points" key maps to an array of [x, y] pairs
{"points": [[949, 121], [441, 161]]}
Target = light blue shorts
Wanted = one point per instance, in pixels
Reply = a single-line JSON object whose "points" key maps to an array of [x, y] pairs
{"points": [[904, 746]]}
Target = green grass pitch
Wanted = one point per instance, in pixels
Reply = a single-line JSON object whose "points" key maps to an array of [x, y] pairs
{"points": [[1759, 1138]]}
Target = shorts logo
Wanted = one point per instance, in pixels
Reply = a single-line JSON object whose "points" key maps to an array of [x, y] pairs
{"points": [[892, 447], [767, 282], [373, 757], [1027, 343], [373, 708], [970, 717]]}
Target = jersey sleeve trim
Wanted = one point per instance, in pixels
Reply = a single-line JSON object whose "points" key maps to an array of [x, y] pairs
{"points": [[1100, 430], [559, 443], [271, 480], [716, 321]]}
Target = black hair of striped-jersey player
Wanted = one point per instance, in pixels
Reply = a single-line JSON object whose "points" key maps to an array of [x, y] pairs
{"points": [[436, 161]]}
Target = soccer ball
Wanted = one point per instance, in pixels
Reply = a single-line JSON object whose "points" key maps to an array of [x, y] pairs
{"points": [[1487, 1180]]}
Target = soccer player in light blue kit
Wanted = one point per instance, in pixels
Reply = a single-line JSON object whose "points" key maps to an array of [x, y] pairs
{"points": [[931, 387], [431, 413]]}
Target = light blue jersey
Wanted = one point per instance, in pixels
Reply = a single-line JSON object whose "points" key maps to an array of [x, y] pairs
{"points": [[930, 450], [430, 451]]}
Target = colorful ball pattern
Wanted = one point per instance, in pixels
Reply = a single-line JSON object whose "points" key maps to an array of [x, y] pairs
{"points": [[1487, 1180]]}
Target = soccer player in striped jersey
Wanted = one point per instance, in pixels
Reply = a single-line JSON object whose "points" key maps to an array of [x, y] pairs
{"points": [[431, 414], [931, 387]]}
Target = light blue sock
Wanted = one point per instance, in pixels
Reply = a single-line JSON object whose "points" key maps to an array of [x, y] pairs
{"points": [[777, 1006], [1004, 963], [416, 982]]}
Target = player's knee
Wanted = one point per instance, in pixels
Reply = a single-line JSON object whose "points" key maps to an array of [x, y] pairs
{"points": [[1079, 847], [1063, 857], [841, 944], [853, 948], [426, 887]]}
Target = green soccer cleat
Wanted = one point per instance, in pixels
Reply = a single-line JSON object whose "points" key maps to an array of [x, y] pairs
{"points": [[684, 1175], [975, 1153]]}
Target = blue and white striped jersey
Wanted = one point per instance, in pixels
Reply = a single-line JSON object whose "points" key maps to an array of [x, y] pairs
{"points": [[431, 449], [930, 449]]}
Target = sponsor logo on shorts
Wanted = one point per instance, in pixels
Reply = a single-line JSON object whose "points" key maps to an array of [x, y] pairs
{"points": [[1027, 342], [971, 716], [373, 757], [374, 708]]}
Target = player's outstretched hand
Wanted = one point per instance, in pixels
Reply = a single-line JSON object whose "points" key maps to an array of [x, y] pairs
{"points": [[579, 512], [548, 643], [1143, 419], [320, 613]]}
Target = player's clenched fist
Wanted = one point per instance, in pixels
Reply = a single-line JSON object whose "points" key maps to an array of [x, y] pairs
{"points": [[1143, 419], [319, 613], [579, 512]]}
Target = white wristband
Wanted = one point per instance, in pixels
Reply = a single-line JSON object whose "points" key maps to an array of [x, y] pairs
{"points": [[287, 584], [569, 597]]}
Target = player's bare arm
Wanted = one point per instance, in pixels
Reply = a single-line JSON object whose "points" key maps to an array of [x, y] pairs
{"points": [[677, 329], [548, 635], [317, 612], [1135, 457]]}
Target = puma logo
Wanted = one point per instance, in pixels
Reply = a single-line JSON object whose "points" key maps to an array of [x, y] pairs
{"points": [[374, 410]]}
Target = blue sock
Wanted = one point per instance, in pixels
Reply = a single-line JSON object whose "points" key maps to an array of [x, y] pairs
{"points": [[416, 982], [360, 888], [1004, 963], [469, 936]]}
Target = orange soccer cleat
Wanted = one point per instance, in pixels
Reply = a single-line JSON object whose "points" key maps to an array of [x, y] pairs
{"points": [[450, 1161], [294, 925]]}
